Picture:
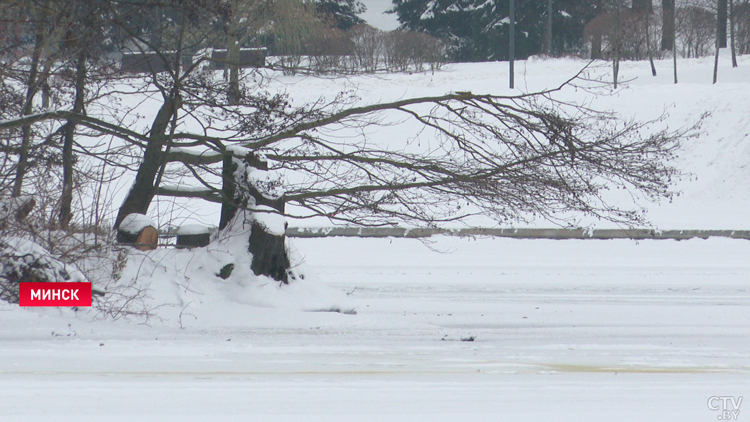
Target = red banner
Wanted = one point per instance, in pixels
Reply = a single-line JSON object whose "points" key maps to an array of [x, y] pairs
{"points": [[54, 294]]}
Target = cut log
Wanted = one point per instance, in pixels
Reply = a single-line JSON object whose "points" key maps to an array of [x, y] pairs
{"points": [[147, 239], [138, 231], [193, 236]]}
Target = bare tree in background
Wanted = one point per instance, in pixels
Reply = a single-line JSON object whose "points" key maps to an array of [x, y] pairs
{"points": [[668, 24], [731, 33], [721, 23]]}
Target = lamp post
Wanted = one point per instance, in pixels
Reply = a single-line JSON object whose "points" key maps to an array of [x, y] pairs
{"points": [[512, 41]]}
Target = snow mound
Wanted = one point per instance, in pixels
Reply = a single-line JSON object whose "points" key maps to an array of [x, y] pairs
{"points": [[205, 287], [22, 260]]}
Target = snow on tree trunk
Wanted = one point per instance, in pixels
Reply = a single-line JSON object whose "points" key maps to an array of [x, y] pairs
{"points": [[252, 197]]}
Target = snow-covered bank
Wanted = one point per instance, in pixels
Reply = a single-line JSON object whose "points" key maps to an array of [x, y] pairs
{"points": [[563, 330]]}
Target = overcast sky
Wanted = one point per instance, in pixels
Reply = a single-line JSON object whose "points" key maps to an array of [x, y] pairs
{"points": [[376, 16]]}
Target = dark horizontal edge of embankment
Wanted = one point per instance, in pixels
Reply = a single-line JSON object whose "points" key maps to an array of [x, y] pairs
{"points": [[560, 234]]}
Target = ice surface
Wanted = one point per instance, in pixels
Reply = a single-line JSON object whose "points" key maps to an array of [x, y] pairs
{"points": [[564, 330]]}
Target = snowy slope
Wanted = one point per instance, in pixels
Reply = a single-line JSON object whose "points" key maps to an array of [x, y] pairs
{"points": [[715, 191], [716, 194]]}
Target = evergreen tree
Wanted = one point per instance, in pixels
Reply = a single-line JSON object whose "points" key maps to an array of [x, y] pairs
{"points": [[479, 29], [341, 14]]}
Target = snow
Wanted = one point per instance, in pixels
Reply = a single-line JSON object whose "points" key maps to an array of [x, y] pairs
{"points": [[134, 223], [273, 222], [191, 229], [564, 330], [21, 255]]}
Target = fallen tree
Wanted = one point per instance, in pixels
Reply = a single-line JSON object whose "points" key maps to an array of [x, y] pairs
{"points": [[506, 157]]}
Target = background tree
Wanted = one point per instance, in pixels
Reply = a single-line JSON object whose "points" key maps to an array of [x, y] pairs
{"points": [[731, 32], [721, 23], [341, 14], [696, 30], [668, 24], [742, 27]]}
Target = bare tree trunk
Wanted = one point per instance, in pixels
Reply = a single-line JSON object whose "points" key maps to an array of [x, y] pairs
{"points": [[616, 49], [668, 23], [721, 23], [269, 252], [548, 30], [512, 47], [229, 205], [68, 137], [144, 188], [731, 32], [716, 62], [647, 21], [32, 87], [674, 60]]}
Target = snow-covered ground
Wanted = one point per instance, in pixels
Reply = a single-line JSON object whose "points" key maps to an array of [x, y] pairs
{"points": [[574, 330], [563, 330]]}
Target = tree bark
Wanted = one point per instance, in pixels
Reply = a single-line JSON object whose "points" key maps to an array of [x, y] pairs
{"points": [[731, 33], [721, 23], [548, 30], [144, 188], [269, 254], [616, 49], [229, 205], [68, 137], [667, 27], [32, 87], [647, 22], [270, 257]]}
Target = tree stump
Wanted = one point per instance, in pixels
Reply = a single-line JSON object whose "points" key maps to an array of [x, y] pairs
{"points": [[193, 236], [269, 254], [138, 231]]}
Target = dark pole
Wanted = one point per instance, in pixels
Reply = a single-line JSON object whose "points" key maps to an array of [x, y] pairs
{"points": [[548, 32], [512, 41]]}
